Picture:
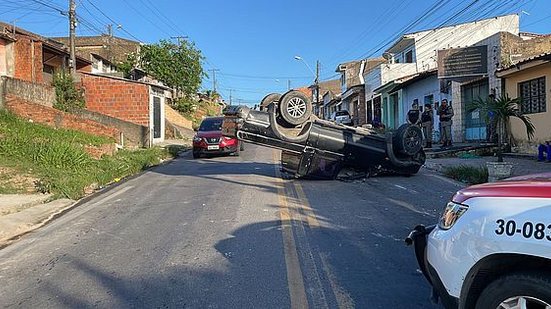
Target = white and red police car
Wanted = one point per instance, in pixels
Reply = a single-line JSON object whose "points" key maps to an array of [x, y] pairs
{"points": [[491, 247]]}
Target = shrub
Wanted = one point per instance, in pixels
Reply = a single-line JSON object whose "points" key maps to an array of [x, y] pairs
{"points": [[68, 97], [185, 106], [468, 174]]}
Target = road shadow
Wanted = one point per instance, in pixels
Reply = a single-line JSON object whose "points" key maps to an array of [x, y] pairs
{"points": [[248, 270]]}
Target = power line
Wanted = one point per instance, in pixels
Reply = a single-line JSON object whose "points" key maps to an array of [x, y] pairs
{"points": [[113, 21]]}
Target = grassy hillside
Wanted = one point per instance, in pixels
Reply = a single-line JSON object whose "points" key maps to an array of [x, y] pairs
{"points": [[45, 159]]}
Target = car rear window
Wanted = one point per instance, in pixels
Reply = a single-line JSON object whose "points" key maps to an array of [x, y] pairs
{"points": [[342, 113], [211, 125]]}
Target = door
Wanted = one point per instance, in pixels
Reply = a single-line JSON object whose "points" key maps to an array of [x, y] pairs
{"points": [[475, 123], [157, 117], [394, 112]]}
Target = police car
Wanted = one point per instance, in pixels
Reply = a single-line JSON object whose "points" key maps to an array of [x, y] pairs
{"points": [[491, 247]]}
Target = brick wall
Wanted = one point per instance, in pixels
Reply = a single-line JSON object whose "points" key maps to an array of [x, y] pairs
{"points": [[28, 59], [117, 98], [58, 119]]}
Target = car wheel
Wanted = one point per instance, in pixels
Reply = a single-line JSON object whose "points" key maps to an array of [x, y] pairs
{"points": [[241, 146], [270, 98], [408, 139], [520, 290], [295, 108], [196, 154]]}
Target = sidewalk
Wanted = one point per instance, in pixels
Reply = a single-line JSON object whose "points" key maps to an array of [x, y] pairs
{"points": [[21, 213], [521, 166]]}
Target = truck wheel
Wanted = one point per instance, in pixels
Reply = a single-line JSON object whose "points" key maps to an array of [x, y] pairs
{"points": [[519, 290], [408, 139], [270, 98], [295, 108]]}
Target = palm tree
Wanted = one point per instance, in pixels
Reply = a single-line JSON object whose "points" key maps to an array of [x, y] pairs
{"points": [[500, 110]]}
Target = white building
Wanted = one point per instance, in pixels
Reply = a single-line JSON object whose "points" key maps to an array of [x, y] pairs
{"points": [[417, 52]]}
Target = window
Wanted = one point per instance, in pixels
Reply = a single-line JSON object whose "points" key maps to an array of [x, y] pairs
{"points": [[409, 57], [532, 96]]}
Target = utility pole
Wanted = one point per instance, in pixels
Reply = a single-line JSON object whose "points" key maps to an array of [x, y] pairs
{"points": [[214, 79], [72, 26], [230, 96], [317, 81]]}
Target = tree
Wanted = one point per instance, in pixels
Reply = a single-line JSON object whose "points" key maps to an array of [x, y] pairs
{"points": [[176, 65], [500, 110]]}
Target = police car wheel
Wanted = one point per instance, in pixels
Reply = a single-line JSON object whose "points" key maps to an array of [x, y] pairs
{"points": [[519, 290]]}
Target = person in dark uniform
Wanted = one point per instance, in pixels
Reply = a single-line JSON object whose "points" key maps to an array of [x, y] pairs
{"points": [[445, 112], [414, 116], [427, 123]]}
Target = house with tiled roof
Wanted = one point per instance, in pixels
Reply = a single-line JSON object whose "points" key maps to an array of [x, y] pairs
{"points": [[105, 51], [31, 57]]}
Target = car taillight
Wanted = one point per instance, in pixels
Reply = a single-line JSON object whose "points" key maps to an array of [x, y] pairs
{"points": [[451, 214]]}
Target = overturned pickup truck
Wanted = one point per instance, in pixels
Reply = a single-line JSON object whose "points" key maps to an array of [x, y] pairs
{"points": [[320, 149]]}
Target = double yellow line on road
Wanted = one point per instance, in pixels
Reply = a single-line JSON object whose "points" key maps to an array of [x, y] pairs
{"points": [[287, 215]]}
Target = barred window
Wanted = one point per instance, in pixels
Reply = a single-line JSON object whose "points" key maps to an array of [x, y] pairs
{"points": [[532, 96]]}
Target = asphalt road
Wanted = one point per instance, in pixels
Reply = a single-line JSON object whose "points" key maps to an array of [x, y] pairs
{"points": [[229, 232]]}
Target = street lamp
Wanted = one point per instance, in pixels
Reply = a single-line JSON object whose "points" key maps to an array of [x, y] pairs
{"points": [[299, 58], [316, 94]]}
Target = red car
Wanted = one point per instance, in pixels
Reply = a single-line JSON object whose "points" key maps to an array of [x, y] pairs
{"points": [[209, 140]]}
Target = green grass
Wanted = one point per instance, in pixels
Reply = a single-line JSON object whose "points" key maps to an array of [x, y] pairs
{"points": [[58, 159], [468, 174]]}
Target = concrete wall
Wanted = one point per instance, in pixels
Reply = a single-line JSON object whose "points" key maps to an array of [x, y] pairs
{"points": [[32, 92], [542, 121], [133, 135], [117, 98]]}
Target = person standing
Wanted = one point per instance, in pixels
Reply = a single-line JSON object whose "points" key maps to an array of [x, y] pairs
{"points": [[544, 148], [427, 123], [445, 113], [414, 116]]}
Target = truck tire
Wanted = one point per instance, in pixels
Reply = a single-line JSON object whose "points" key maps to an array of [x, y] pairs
{"points": [[295, 108], [270, 98], [408, 139], [508, 290]]}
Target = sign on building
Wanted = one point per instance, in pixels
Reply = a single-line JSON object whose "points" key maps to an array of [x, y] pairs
{"points": [[463, 62]]}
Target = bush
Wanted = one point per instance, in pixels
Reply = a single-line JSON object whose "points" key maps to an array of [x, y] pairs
{"points": [[468, 174], [67, 96], [185, 106]]}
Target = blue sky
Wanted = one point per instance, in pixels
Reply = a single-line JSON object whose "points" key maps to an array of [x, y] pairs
{"points": [[253, 43]]}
